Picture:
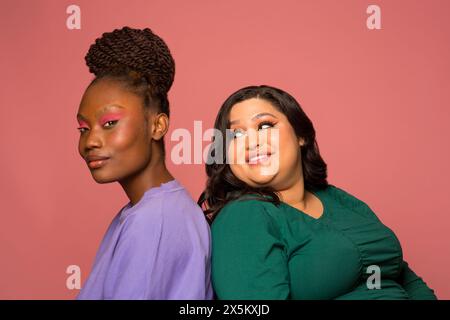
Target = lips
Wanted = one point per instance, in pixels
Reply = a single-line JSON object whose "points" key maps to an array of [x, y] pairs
{"points": [[96, 161], [258, 158]]}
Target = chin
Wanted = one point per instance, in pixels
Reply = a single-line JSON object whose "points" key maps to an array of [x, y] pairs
{"points": [[260, 180], [103, 178]]}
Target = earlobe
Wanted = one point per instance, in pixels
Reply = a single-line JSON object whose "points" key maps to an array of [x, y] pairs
{"points": [[301, 142]]}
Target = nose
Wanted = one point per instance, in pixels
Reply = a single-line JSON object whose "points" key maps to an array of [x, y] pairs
{"points": [[252, 139], [93, 140]]}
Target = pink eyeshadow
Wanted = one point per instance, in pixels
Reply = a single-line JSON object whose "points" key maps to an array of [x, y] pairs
{"points": [[82, 123], [110, 117]]}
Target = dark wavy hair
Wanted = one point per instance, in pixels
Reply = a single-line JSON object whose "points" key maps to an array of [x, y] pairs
{"points": [[137, 58], [222, 186]]}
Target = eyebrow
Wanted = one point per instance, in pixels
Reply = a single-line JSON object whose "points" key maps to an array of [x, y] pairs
{"points": [[259, 115], [80, 116]]}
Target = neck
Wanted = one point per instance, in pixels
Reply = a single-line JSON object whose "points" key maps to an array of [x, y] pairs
{"points": [[295, 195], [152, 176]]}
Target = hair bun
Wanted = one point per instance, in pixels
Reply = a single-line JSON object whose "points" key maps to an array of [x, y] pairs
{"points": [[138, 50]]}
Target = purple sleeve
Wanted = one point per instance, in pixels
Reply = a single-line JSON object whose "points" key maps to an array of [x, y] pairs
{"points": [[160, 256]]}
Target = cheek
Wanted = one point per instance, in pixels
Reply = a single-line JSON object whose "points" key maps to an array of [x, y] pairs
{"points": [[236, 152], [121, 140], [239, 172], [130, 152], [126, 138], [288, 148]]}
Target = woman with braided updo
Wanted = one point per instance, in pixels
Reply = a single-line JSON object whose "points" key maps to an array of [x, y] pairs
{"points": [[158, 244]]}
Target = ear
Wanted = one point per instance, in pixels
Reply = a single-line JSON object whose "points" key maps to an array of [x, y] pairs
{"points": [[159, 127], [301, 142]]}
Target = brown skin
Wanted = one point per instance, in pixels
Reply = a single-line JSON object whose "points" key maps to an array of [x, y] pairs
{"points": [[253, 117], [130, 140]]}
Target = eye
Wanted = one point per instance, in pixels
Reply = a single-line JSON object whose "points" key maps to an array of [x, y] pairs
{"points": [[265, 125], [82, 129], [110, 123], [237, 134]]}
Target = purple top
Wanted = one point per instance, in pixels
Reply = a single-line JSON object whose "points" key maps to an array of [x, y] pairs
{"points": [[157, 249]]}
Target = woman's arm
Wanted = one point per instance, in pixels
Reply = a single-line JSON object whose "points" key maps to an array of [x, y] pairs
{"points": [[248, 258], [416, 288]]}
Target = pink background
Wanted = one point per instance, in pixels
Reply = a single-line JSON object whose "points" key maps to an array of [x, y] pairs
{"points": [[379, 100]]}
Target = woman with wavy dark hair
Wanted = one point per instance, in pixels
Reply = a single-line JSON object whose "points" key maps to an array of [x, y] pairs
{"points": [[279, 229], [158, 245]]}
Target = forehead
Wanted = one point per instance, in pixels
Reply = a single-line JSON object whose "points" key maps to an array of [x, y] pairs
{"points": [[246, 109], [105, 93]]}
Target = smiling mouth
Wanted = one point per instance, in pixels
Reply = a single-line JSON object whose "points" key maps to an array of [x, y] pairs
{"points": [[262, 158], [95, 164]]}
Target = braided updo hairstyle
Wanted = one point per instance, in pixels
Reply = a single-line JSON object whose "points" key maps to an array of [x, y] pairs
{"points": [[139, 59]]}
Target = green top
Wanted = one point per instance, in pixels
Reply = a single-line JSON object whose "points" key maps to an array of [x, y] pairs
{"points": [[261, 251]]}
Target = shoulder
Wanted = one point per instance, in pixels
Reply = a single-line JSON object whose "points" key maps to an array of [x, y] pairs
{"points": [[246, 207], [181, 204], [245, 212], [142, 220], [172, 220], [181, 215], [171, 208], [343, 196], [348, 200]]}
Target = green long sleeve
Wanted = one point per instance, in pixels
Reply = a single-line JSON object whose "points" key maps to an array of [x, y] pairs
{"points": [[248, 260], [416, 288]]}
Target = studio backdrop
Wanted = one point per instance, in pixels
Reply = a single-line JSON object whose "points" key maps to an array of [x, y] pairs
{"points": [[373, 76]]}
